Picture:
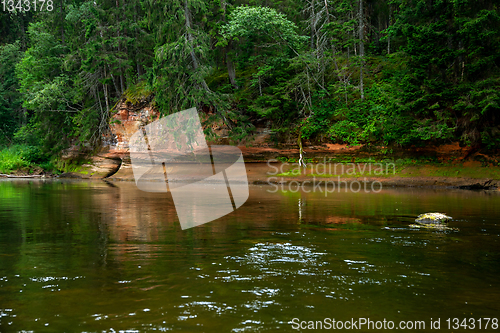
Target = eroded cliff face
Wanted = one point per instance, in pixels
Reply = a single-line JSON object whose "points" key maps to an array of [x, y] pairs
{"points": [[115, 153], [124, 123], [128, 119]]}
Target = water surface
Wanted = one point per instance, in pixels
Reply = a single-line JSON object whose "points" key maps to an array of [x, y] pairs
{"points": [[81, 256]]}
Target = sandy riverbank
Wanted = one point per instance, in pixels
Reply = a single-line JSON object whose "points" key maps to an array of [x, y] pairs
{"points": [[385, 174]]}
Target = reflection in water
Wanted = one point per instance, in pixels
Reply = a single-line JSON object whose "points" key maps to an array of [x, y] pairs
{"points": [[87, 256]]}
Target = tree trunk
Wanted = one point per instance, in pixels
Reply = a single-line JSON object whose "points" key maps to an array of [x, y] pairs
{"points": [[313, 24], [187, 15], [361, 47], [23, 34], [122, 81], [105, 88], [230, 69], [139, 69], [118, 94], [62, 23], [138, 64], [388, 35], [118, 32]]}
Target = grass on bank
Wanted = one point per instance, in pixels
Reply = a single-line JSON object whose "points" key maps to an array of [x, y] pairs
{"points": [[386, 168], [11, 160], [25, 159]]}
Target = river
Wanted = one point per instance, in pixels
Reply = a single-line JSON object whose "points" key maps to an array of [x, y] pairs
{"points": [[95, 256]]}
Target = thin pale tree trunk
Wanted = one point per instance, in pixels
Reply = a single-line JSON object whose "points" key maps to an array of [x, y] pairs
{"points": [[187, 14], [231, 70], [105, 88], [361, 47], [62, 23], [388, 35]]}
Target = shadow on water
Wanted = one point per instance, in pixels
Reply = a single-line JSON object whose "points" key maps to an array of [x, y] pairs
{"points": [[95, 256]]}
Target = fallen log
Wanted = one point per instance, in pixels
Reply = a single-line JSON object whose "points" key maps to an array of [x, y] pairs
{"points": [[12, 176]]}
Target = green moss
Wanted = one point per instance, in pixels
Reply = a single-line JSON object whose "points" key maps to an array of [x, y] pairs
{"points": [[138, 92], [291, 173], [75, 166]]}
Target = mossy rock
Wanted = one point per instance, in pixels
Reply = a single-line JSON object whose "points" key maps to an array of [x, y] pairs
{"points": [[433, 218], [434, 221]]}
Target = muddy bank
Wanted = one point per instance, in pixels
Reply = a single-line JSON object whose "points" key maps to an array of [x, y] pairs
{"points": [[374, 183], [432, 166], [284, 174]]}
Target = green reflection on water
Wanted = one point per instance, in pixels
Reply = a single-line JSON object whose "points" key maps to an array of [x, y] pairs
{"points": [[92, 256]]}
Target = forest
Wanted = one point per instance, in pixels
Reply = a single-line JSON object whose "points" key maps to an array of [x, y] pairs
{"points": [[374, 72]]}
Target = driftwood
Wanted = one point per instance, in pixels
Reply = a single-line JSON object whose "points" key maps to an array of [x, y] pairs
{"points": [[11, 176]]}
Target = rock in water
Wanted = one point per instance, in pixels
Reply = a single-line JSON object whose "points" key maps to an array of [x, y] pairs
{"points": [[432, 218]]}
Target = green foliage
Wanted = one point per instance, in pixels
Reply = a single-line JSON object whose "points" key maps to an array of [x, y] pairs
{"points": [[31, 154], [138, 92], [18, 157], [262, 23], [10, 99], [11, 160], [345, 131], [320, 120], [46, 89], [430, 71], [453, 78]]}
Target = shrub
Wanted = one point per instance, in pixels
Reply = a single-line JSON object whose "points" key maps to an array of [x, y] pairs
{"points": [[11, 160], [18, 157]]}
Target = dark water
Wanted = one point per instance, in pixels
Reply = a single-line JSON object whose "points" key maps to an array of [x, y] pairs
{"points": [[94, 257]]}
